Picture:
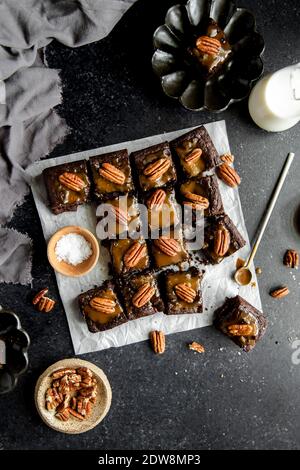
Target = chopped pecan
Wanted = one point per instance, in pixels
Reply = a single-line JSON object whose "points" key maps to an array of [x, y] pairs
{"points": [[194, 346], [75, 414], [221, 241], [45, 305], [72, 181], [134, 254], [112, 173], [193, 156], [157, 199], [208, 45], [185, 292], [58, 374], [291, 258], [280, 292], [227, 158], [169, 246], [228, 175], [103, 305], [143, 295], [39, 296], [240, 330], [158, 341], [155, 170]]}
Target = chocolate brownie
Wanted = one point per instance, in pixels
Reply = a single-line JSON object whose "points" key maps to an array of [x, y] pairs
{"points": [[183, 292], [129, 256], [206, 187]]}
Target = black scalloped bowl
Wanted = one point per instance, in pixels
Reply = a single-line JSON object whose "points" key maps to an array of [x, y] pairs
{"points": [[181, 80], [16, 342]]}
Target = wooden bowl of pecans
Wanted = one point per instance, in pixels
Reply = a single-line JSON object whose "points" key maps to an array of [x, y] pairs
{"points": [[73, 396]]}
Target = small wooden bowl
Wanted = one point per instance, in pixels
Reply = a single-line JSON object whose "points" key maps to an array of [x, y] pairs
{"points": [[68, 269], [73, 425]]}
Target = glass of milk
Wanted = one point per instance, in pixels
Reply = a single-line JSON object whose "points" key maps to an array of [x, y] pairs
{"points": [[274, 103]]}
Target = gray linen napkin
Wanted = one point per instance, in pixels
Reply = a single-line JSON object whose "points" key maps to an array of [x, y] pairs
{"points": [[29, 92]]}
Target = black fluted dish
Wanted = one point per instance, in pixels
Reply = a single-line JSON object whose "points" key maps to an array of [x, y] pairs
{"points": [[179, 77], [16, 342]]}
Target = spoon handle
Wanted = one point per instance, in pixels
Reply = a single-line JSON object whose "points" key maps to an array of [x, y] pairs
{"points": [[271, 206]]}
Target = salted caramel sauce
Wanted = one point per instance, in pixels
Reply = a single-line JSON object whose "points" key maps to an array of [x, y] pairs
{"points": [[100, 317], [148, 184], [166, 216], [183, 278], [198, 166], [118, 250], [239, 263]]}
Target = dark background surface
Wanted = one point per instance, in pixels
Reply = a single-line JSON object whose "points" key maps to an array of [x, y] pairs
{"points": [[224, 398]]}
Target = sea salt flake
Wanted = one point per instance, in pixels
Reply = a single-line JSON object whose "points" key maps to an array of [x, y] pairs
{"points": [[73, 249]]}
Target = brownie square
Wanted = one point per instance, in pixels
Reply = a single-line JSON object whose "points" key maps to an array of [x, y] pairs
{"points": [[141, 296], [100, 316], [163, 209], [129, 256], [196, 152], [223, 226], [207, 187], [154, 167], [67, 186], [241, 322], [118, 216], [105, 185], [183, 292], [169, 250], [209, 64]]}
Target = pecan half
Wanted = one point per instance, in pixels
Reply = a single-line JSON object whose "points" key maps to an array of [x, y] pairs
{"points": [[155, 170], [120, 215], [53, 399], [194, 346], [84, 372], [228, 175], [134, 254], [185, 292], [72, 181], [143, 295], [227, 158], [158, 341], [39, 295], [169, 246], [58, 374], [193, 156], [83, 406], [45, 305], [200, 202], [157, 199], [112, 173], [221, 241], [103, 305], [280, 292], [291, 259], [75, 414], [63, 415], [89, 392], [208, 45], [240, 330]]}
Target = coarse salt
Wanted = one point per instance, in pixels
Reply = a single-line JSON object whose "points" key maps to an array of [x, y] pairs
{"points": [[73, 249]]}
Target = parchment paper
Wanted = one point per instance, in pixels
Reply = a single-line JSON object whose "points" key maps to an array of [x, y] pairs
{"points": [[217, 283]]}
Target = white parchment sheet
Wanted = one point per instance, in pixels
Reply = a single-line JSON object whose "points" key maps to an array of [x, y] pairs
{"points": [[217, 283]]}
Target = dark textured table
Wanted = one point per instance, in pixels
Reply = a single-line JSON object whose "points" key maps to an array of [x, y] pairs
{"points": [[224, 398]]}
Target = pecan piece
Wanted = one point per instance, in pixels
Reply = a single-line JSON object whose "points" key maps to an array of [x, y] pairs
{"points": [[143, 295], [63, 415], [103, 305], [75, 414], [134, 254], [120, 215], [194, 346], [291, 259], [196, 202], [280, 292], [228, 175], [221, 241], [58, 374], [45, 305], [84, 371], [89, 392], [83, 406], [240, 330], [39, 296], [157, 199], [169, 246], [112, 173], [208, 45], [193, 156], [72, 181], [158, 341], [227, 158], [73, 403], [155, 170], [185, 292], [50, 401]]}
